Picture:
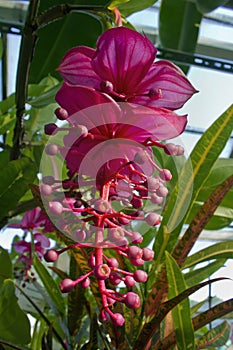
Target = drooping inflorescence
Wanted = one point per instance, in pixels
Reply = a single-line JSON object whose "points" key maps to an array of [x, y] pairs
{"points": [[115, 105]]}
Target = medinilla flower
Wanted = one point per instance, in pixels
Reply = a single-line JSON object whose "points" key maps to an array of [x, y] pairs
{"points": [[123, 66], [115, 132], [23, 265]]}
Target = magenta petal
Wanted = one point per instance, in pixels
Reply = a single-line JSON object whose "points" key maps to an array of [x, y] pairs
{"points": [[75, 67], [123, 57], [172, 88], [32, 219], [156, 123], [43, 240], [22, 246]]}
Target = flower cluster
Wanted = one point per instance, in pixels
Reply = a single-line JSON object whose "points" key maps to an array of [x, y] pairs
{"points": [[36, 223], [115, 104]]}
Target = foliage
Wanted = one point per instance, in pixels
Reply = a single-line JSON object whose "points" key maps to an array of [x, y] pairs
{"points": [[200, 197]]}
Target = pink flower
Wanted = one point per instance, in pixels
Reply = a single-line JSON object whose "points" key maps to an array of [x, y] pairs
{"points": [[116, 131], [32, 219], [123, 67]]}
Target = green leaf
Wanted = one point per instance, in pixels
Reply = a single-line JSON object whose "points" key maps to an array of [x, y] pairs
{"points": [[197, 275], [182, 19], [181, 313], [205, 6], [5, 265], [14, 324], [14, 180], [4, 157], [131, 6], [216, 251], [57, 38], [7, 104], [192, 178], [217, 336], [50, 285], [223, 167], [7, 122], [45, 98]]}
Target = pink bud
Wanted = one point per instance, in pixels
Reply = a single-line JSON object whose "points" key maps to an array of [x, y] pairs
{"points": [[134, 252], [129, 281], [45, 190], [118, 319], [51, 255], [152, 219], [165, 175], [52, 149], [50, 129], [56, 208], [140, 276], [147, 254], [132, 300], [85, 283], [67, 285], [61, 113]]}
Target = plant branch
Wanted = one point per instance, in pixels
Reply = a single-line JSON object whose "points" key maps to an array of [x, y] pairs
{"points": [[25, 56]]}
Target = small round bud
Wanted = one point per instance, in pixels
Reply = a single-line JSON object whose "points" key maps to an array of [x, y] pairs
{"points": [[140, 276], [132, 300], [106, 86], [85, 283], [56, 208], [162, 191], [79, 235], [45, 190], [50, 129], [102, 271], [165, 175], [51, 255], [152, 219], [48, 180], [112, 262], [51, 149], [147, 254], [67, 285], [61, 113], [153, 184], [123, 221], [134, 252], [118, 319], [136, 238], [129, 281]]}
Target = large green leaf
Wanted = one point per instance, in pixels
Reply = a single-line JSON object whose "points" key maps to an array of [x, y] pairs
{"points": [[205, 6], [14, 180], [181, 313], [223, 167], [5, 265], [57, 38], [182, 19], [216, 251], [200, 274], [51, 286], [14, 324], [192, 178], [131, 6]]}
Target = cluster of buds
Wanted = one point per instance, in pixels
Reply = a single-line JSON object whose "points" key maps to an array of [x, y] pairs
{"points": [[112, 114]]}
